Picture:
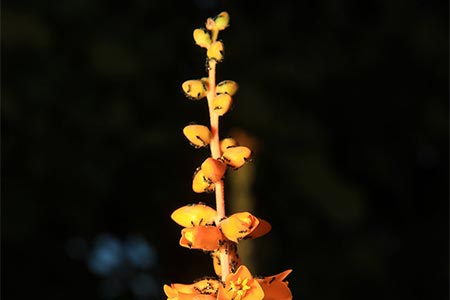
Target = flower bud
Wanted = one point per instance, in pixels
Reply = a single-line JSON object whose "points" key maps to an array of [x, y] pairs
{"points": [[195, 89], [213, 169], [236, 157], [198, 135], [200, 183], [238, 226], [215, 51], [222, 103], [202, 37], [222, 20], [227, 87]]}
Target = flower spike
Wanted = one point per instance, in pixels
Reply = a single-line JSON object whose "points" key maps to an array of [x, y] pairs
{"points": [[210, 229]]}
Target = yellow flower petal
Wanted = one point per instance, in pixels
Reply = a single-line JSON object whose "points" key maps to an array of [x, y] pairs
{"points": [[236, 157], [196, 89], [215, 51], [202, 37], [227, 143], [229, 87], [194, 215], [222, 20], [198, 135], [221, 104]]}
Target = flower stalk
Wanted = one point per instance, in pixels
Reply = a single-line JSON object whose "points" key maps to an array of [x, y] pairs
{"points": [[212, 230]]}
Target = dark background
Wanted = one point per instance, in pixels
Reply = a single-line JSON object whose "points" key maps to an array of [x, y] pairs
{"points": [[349, 103]]}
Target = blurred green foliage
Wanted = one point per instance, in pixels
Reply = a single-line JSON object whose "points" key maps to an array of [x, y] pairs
{"points": [[349, 100]]}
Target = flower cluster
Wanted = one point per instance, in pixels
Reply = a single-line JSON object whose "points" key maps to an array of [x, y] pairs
{"points": [[205, 228]]}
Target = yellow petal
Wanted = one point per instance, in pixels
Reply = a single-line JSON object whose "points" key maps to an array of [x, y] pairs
{"points": [[222, 103], [202, 38], [229, 87], [194, 89], [194, 215], [222, 20], [236, 157], [198, 135], [215, 51]]}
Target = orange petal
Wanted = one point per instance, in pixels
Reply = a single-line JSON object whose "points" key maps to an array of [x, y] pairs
{"points": [[238, 226], [263, 228], [207, 238], [275, 288], [194, 215]]}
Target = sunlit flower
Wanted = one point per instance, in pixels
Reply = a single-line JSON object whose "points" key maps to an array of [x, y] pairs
{"points": [[205, 289], [240, 285], [243, 225], [275, 287], [207, 238]]}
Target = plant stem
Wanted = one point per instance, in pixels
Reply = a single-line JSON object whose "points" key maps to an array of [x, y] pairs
{"points": [[216, 153]]}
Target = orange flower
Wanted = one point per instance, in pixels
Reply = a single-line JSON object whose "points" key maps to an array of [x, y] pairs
{"points": [[240, 285], [213, 169], [207, 238], [205, 289], [275, 288], [243, 225], [194, 215]]}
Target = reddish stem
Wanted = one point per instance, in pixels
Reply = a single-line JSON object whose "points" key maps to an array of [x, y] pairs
{"points": [[216, 153]]}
